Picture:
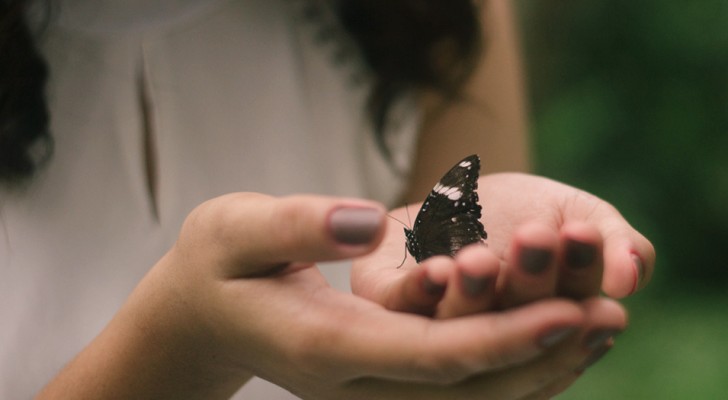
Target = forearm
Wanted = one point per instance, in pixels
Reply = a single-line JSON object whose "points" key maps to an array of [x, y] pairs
{"points": [[150, 349]]}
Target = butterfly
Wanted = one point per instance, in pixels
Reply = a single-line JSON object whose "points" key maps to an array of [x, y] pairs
{"points": [[450, 216]]}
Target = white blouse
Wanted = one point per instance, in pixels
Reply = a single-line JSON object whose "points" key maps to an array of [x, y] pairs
{"points": [[246, 95]]}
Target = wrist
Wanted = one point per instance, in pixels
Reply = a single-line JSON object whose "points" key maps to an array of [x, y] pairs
{"points": [[151, 348]]}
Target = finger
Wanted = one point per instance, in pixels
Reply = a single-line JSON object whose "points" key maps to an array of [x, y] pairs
{"points": [[537, 378], [581, 262], [473, 281], [378, 276], [604, 318], [554, 388], [261, 233], [420, 289], [410, 287], [629, 262], [628, 256], [531, 271], [447, 351]]}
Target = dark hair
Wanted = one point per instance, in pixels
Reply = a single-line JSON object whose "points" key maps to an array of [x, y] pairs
{"points": [[408, 45], [25, 142], [411, 45]]}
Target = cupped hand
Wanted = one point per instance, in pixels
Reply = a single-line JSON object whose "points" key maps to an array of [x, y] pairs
{"points": [[239, 295], [545, 239], [590, 233]]}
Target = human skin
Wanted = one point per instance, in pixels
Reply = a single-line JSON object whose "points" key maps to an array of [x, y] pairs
{"points": [[239, 295], [521, 213]]}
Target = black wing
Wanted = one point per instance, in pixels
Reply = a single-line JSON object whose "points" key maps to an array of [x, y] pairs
{"points": [[450, 216]]}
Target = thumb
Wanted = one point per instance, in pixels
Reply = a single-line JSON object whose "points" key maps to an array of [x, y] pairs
{"points": [[255, 234]]}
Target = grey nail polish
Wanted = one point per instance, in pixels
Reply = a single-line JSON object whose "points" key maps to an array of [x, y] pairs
{"points": [[535, 260], [580, 254], [432, 288], [555, 336], [598, 338], [475, 286], [352, 225], [592, 358]]}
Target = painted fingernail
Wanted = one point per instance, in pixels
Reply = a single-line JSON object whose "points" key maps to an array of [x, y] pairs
{"points": [[355, 225], [580, 254], [555, 336], [598, 338], [432, 288], [592, 358], [639, 268], [475, 286], [535, 260]]}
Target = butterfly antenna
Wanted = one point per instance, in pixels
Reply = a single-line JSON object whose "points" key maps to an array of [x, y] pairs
{"points": [[406, 226], [403, 258], [403, 224]]}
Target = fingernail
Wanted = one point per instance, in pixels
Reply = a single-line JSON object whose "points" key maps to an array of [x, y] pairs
{"points": [[598, 338], [592, 358], [580, 254], [355, 225], [555, 336], [639, 268], [535, 260], [432, 288], [475, 286]]}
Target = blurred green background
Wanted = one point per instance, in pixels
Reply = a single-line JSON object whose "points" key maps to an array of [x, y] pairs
{"points": [[629, 101]]}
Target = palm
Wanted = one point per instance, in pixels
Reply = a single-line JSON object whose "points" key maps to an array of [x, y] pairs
{"points": [[509, 201]]}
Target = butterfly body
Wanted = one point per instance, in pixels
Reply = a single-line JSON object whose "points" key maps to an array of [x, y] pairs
{"points": [[450, 216]]}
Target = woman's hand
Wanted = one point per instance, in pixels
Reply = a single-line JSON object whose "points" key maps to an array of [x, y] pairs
{"points": [[591, 233], [545, 239], [238, 295]]}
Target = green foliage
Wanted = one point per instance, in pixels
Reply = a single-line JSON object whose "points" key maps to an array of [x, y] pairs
{"points": [[673, 350], [630, 101]]}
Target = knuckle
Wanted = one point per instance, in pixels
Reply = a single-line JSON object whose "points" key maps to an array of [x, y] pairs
{"points": [[289, 223], [222, 220], [228, 213]]}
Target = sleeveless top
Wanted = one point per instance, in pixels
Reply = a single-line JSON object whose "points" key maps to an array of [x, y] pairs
{"points": [[245, 95]]}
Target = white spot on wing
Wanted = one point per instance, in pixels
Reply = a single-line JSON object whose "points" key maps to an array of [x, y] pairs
{"points": [[456, 195], [452, 193], [465, 164]]}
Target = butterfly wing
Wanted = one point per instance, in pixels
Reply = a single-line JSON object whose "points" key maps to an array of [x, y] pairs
{"points": [[450, 216]]}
